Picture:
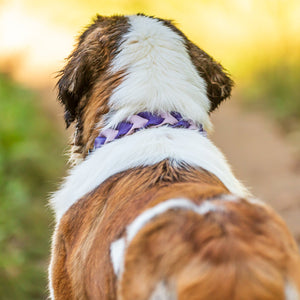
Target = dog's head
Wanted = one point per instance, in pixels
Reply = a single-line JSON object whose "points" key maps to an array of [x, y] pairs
{"points": [[132, 64]]}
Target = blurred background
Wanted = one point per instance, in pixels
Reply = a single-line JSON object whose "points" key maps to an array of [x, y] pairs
{"points": [[258, 41]]}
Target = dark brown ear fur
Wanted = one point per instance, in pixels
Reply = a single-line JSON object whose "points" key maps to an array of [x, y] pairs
{"points": [[88, 61], [76, 78], [218, 82]]}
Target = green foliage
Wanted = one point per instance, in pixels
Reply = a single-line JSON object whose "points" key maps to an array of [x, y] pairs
{"points": [[30, 164], [277, 88]]}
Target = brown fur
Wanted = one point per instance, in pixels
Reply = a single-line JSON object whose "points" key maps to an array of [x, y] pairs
{"points": [[244, 252], [218, 82]]}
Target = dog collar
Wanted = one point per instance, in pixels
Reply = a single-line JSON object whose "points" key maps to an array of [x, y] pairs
{"points": [[145, 120]]}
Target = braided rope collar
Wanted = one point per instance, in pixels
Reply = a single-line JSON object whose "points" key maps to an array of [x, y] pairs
{"points": [[145, 120]]}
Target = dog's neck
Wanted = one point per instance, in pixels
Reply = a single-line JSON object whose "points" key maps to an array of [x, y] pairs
{"points": [[145, 120]]}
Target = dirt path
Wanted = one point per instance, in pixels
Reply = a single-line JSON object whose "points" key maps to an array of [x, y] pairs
{"points": [[261, 158]]}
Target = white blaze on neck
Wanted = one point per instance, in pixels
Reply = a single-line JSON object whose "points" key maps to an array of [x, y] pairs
{"points": [[160, 75]]}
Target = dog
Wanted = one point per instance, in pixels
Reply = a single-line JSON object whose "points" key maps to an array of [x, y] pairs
{"points": [[151, 209]]}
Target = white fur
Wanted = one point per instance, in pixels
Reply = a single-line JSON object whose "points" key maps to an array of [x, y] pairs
{"points": [[140, 221], [163, 292], [51, 291], [160, 75], [229, 197], [117, 248], [50, 286], [144, 148], [291, 292]]}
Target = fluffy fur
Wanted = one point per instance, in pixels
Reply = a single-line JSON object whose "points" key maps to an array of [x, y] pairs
{"points": [[157, 214]]}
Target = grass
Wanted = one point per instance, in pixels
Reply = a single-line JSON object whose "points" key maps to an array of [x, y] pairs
{"points": [[30, 164]]}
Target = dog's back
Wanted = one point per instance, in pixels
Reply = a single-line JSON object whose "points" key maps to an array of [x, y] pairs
{"points": [[152, 210], [140, 239], [220, 249]]}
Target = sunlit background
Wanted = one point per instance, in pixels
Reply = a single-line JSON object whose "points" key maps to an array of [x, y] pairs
{"points": [[258, 41]]}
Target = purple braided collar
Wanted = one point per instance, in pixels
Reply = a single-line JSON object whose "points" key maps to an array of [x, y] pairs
{"points": [[145, 120]]}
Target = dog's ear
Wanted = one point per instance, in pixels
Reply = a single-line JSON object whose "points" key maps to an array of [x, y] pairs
{"points": [[218, 82], [82, 68], [73, 83], [90, 59]]}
